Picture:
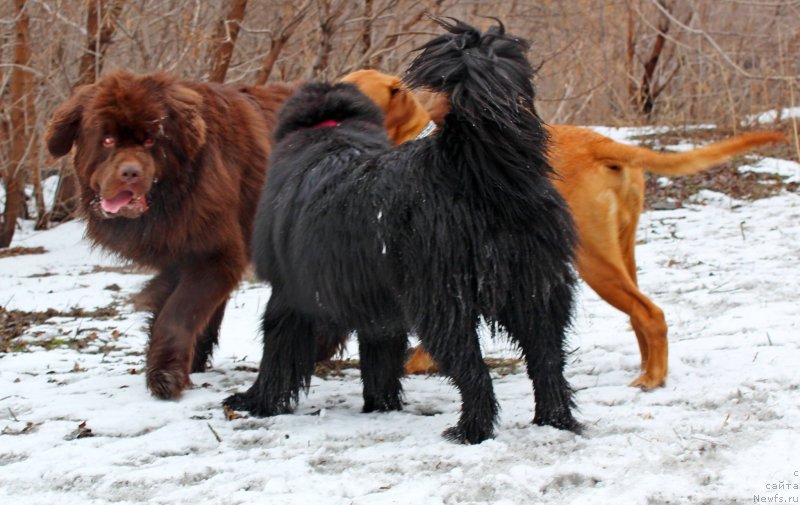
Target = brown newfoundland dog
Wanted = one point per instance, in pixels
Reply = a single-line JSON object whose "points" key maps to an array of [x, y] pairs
{"points": [[170, 173]]}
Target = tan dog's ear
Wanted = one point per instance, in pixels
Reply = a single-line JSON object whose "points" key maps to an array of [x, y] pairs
{"points": [[185, 115], [405, 116], [437, 105], [63, 130]]}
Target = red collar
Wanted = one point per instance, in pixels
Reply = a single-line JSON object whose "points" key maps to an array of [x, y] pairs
{"points": [[325, 124]]}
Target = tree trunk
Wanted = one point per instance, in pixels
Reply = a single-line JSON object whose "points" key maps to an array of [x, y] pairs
{"points": [[366, 35], [101, 23], [35, 170], [644, 98], [630, 53], [327, 20], [21, 90], [225, 39]]}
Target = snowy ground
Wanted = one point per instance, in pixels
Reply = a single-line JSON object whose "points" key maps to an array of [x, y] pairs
{"points": [[724, 430]]}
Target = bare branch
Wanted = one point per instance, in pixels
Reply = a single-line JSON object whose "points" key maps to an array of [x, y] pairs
{"points": [[279, 42]]}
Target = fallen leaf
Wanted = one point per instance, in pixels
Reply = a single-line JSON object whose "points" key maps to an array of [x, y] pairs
{"points": [[81, 432]]}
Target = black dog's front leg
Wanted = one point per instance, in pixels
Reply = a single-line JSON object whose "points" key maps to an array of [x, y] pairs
{"points": [[286, 366]]}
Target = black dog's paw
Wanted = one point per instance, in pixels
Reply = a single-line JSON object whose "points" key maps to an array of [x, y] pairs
{"points": [[566, 422], [238, 401], [460, 435], [382, 404], [249, 402]]}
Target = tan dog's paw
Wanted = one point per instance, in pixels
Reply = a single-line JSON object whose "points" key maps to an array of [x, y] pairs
{"points": [[648, 382]]}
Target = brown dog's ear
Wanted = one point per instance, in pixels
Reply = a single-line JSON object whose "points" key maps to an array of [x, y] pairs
{"points": [[64, 127], [184, 104]]}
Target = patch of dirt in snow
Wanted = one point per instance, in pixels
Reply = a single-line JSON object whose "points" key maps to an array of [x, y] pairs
{"points": [[15, 323], [9, 252]]}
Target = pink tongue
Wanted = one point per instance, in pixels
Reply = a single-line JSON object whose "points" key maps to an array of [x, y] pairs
{"points": [[113, 205]]}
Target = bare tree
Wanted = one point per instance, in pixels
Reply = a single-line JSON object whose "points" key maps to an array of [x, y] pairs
{"points": [[20, 93], [644, 93], [279, 41], [329, 14], [101, 22], [391, 41], [225, 40]]}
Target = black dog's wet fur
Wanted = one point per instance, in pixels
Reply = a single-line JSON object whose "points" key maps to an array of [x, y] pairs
{"points": [[356, 235]]}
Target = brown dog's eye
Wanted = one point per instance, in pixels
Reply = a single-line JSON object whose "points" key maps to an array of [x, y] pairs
{"points": [[394, 91], [148, 142], [109, 142]]}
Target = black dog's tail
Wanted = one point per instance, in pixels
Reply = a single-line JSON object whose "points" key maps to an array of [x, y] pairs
{"points": [[492, 130]]}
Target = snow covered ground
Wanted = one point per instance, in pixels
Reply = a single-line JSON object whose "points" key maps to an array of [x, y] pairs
{"points": [[78, 426], [767, 117]]}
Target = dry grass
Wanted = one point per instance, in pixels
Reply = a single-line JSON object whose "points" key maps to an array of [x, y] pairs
{"points": [[15, 323], [20, 251]]}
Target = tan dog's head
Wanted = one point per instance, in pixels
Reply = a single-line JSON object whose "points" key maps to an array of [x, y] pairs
{"points": [[405, 116], [129, 131]]}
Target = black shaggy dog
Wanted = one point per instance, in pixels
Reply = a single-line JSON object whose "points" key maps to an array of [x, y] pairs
{"points": [[428, 237]]}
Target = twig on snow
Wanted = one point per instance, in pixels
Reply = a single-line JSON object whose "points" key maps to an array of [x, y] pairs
{"points": [[216, 435]]}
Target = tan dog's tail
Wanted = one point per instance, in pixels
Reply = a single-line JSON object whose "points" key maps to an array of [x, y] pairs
{"points": [[685, 163]]}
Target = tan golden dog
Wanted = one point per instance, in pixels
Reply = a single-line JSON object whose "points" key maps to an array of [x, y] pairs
{"points": [[603, 183]]}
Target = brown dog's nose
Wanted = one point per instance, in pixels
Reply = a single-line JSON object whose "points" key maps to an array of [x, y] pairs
{"points": [[129, 172]]}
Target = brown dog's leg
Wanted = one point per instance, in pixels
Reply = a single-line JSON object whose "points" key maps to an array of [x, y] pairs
{"points": [[202, 288], [204, 344], [153, 295]]}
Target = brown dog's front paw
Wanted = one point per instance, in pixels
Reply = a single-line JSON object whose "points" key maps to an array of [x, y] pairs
{"points": [[167, 384], [648, 382]]}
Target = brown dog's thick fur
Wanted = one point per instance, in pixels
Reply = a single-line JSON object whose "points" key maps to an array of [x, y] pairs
{"points": [[603, 183], [170, 172]]}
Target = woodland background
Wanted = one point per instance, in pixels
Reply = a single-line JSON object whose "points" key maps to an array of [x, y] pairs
{"points": [[611, 62]]}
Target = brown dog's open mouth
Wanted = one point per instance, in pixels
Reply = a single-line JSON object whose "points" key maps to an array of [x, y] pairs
{"points": [[125, 203]]}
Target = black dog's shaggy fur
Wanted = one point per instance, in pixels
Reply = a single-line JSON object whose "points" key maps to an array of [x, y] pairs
{"points": [[427, 238]]}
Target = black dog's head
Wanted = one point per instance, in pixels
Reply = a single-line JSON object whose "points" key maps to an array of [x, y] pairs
{"points": [[473, 67], [319, 104], [129, 131]]}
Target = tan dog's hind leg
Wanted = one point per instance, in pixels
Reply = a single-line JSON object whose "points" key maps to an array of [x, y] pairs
{"points": [[614, 285], [606, 262], [420, 362]]}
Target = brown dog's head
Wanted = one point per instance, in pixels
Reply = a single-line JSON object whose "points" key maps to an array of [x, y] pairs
{"points": [[129, 132], [405, 117]]}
